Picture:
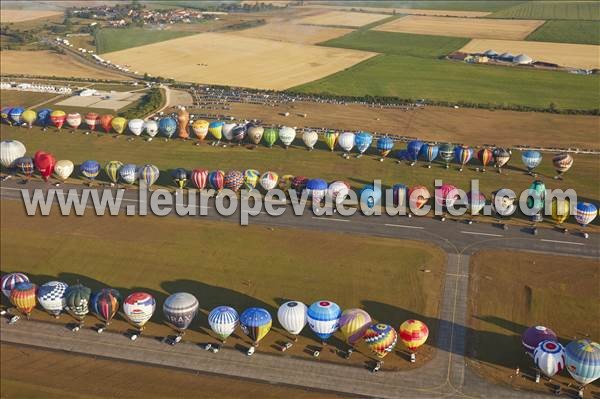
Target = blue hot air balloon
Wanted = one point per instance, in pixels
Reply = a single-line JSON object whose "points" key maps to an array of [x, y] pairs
{"points": [[583, 360], [43, 117], [399, 194], [429, 152], [316, 188], [362, 141], [370, 196], [90, 170], [128, 173], [167, 126], [531, 159], [256, 323], [385, 145], [402, 155], [324, 318], [15, 114], [462, 155], [223, 320], [148, 174], [414, 148]]}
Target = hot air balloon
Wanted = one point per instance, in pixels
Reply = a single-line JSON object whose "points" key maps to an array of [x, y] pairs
{"points": [[292, 317], [215, 128], [167, 126], [238, 134], [128, 173], [531, 159], [180, 310], [200, 129], [316, 189], [233, 180], [29, 116], [399, 194], [52, 297], [446, 195], [287, 135], [74, 120], [462, 155], [200, 178], [136, 126], [418, 196], [44, 162], [414, 148], [270, 136], [23, 297], [485, 156], [4, 114], [119, 124], [151, 128], [429, 152], [255, 323], [501, 157], [148, 174], [43, 117], [92, 120], [385, 145], [475, 203], [183, 120], [228, 131], [381, 339], [25, 166], [362, 141], [330, 139], [15, 114], [251, 177], [9, 281], [413, 334], [179, 177], [223, 320], [561, 211], [353, 324], [370, 196], [58, 118], [346, 141], [562, 163], [446, 152], [255, 133], [268, 180], [90, 170], [583, 360], [532, 337], [77, 302], [216, 179], [139, 307], [10, 151], [112, 169], [310, 138], [285, 182], [505, 206], [338, 190], [299, 183], [105, 305], [549, 357], [63, 169], [106, 122], [585, 214], [324, 318]]}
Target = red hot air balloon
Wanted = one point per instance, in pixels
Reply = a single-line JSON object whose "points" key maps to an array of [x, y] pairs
{"points": [[105, 122], [58, 118], [200, 178], [92, 120], [44, 163]]}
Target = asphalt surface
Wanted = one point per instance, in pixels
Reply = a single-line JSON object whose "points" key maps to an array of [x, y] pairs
{"points": [[446, 375]]}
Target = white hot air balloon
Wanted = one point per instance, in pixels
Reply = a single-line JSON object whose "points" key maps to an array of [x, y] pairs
{"points": [[292, 316], [179, 310], [310, 138], [223, 320], [139, 308], [136, 126], [549, 357], [74, 120], [51, 297], [346, 141], [287, 135], [337, 190], [63, 169], [10, 151], [227, 131], [151, 128], [269, 180]]}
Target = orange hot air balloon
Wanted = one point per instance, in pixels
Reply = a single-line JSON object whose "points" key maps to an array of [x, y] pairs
{"points": [[183, 119], [23, 297], [105, 122], [485, 156], [413, 334]]}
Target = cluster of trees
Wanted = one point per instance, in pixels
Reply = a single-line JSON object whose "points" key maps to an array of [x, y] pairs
{"points": [[246, 24], [149, 103]]}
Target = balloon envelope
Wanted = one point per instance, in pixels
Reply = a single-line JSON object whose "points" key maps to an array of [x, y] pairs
{"points": [[139, 308], [223, 320], [292, 316], [330, 139], [119, 124], [255, 323], [58, 118], [44, 162], [90, 169], [148, 174], [200, 178], [353, 324], [414, 148], [200, 128], [310, 138], [287, 135], [413, 334], [562, 162], [92, 120], [233, 180], [418, 196], [583, 360], [324, 318], [105, 304], [228, 131], [43, 117], [462, 154], [29, 116], [532, 337], [216, 179], [549, 357], [179, 176], [316, 188], [23, 297], [112, 170], [52, 297], [385, 145], [501, 156], [167, 126], [10, 151], [255, 133], [346, 141], [215, 128], [74, 120], [9, 281], [180, 310], [446, 153], [531, 159], [381, 339], [151, 128], [429, 152], [363, 141], [268, 180], [128, 173], [136, 126], [251, 177], [105, 122], [63, 169], [586, 212], [77, 299]]}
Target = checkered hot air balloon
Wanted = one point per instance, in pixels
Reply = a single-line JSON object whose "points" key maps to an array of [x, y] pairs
{"points": [[200, 178], [233, 180], [23, 297], [324, 318], [413, 334], [52, 297], [9, 281], [562, 163], [256, 323], [353, 324], [223, 320], [549, 357], [381, 339]]}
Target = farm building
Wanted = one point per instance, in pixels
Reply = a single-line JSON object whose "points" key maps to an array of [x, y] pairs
{"points": [[506, 57], [523, 59], [490, 54]]}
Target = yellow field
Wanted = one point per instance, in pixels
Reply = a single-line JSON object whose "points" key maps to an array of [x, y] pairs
{"points": [[571, 55], [215, 58], [48, 63], [8, 15], [415, 11], [342, 18], [293, 33], [463, 27]]}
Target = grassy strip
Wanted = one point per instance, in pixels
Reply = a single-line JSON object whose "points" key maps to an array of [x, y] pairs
{"points": [[580, 32]]}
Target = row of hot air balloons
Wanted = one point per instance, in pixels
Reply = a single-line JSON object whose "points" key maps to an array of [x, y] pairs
{"points": [[323, 317], [581, 358], [237, 132]]}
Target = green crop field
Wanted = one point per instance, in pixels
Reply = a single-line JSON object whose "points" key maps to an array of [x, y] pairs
{"points": [[475, 5], [584, 10], [109, 40], [398, 43], [581, 32], [441, 80]]}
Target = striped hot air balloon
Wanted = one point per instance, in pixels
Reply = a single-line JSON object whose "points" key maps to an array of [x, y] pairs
{"points": [[233, 180], [381, 339], [549, 357], [270, 136], [10, 151], [462, 155], [148, 174], [399, 194], [112, 169], [10, 280], [105, 304], [23, 297], [324, 318], [77, 299], [501, 157], [216, 180], [586, 213], [223, 320], [292, 316], [485, 156], [200, 178], [353, 324], [58, 118], [139, 307], [331, 139], [256, 323], [583, 360], [128, 173], [92, 120], [562, 163], [251, 177], [429, 152], [413, 334]]}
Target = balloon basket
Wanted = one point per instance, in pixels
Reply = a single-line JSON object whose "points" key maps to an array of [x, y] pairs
{"points": [[429, 166], [380, 159]]}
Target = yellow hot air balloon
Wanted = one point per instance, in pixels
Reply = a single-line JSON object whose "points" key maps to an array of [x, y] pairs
{"points": [[29, 116], [200, 128], [560, 211], [118, 124], [331, 139]]}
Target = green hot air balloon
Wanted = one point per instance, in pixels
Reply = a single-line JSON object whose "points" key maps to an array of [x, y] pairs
{"points": [[77, 298], [270, 137], [112, 171]]}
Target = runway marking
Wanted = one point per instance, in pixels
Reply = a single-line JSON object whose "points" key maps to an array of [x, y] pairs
{"points": [[332, 219], [562, 242], [404, 226], [457, 275], [482, 234]]}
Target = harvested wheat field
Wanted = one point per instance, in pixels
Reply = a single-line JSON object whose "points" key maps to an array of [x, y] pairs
{"points": [[415, 11], [294, 33], [48, 63], [571, 55], [246, 62], [342, 18], [463, 27], [7, 15]]}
